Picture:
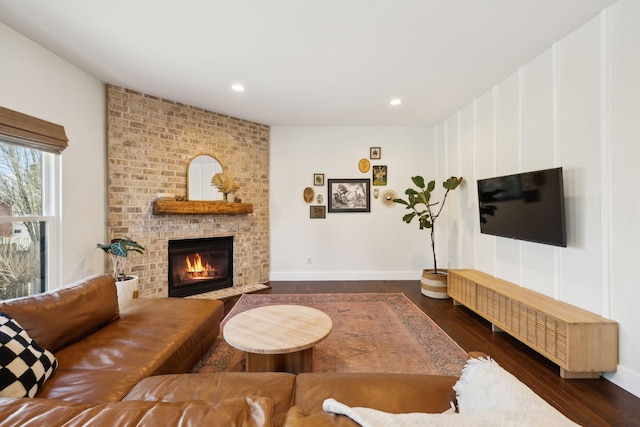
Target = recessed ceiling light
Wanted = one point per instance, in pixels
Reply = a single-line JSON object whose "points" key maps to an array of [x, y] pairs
{"points": [[238, 87], [395, 101]]}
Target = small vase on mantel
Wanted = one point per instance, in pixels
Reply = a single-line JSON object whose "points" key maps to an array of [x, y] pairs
{"points": [[228, 197]]}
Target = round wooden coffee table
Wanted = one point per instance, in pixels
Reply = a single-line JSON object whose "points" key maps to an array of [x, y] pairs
{"points": [[278, 337]]}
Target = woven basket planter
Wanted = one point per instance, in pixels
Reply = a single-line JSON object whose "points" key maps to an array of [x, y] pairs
{"points": [[434, 285]]}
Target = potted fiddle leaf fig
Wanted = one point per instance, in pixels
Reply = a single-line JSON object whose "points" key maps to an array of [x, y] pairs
{"points": [[434, 282]]}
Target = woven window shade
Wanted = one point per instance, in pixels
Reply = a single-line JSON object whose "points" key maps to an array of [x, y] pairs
{"points": [[22, 129]]}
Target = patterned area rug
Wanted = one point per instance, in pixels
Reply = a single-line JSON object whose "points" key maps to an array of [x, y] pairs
{"points": [[371, 333]]}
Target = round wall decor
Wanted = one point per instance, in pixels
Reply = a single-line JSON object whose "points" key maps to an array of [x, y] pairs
{"points": [[388, 196], [364, 165]]}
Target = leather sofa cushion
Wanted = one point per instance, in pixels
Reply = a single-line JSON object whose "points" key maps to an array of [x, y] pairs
{"points": [[65, 315], [297, 418], [152, 336], [395, 393], [177, 330], [219, 386], [242, 411]]}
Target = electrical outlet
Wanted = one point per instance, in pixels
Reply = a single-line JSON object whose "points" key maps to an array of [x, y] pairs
{"points": [[308, 260]]}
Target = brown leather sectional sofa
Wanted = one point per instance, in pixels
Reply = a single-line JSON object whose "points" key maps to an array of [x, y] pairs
{"points": [[127, 367], [104, 350]]}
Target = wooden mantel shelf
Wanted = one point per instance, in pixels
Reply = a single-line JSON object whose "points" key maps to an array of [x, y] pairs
{"points": [[193, 207]]}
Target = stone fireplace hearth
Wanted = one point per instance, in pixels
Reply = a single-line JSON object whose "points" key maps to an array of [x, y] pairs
{"points": [[150, 144]]}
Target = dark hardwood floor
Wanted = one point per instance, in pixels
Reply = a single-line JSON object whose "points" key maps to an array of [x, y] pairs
{"points": [[589, 402]]}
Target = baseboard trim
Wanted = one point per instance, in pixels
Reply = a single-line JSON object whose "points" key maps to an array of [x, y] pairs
{"points": [[626, 379], [343, 275]]}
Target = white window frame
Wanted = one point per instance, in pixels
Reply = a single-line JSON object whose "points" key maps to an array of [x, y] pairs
{"points": [[52, 209], [51, 216]]}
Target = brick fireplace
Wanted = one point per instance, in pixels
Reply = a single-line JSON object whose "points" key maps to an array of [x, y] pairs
{"points": [[150, 142]]}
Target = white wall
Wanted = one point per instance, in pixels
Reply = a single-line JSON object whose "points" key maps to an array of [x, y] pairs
{"points": [[622, 207], [34, 81], [576, 106], [346, 246]]}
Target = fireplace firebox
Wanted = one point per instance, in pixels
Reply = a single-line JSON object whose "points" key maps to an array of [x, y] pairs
{"points": [[200, 265]]}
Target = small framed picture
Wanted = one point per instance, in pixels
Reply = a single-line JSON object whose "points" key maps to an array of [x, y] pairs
{"points": [[349, 195], [318, 179], [379, 175], [375, 153], [317, 212]]}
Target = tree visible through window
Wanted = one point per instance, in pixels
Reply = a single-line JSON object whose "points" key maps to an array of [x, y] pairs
{"points": [[23, 226]]}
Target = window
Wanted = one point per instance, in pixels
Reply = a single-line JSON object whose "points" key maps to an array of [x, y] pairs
{"points": [[28, 221], [29, 208]]}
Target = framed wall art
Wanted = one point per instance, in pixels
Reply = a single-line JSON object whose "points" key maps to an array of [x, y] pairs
{"points": [[349, 195], [379, 175], [317, 212], [375, 153], [318, 179]]}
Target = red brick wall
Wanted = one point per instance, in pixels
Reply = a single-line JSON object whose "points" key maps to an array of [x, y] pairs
{"points": [[150, 142]]}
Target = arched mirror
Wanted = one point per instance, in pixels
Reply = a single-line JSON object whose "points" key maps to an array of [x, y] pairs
{"points": [[199, 173]]}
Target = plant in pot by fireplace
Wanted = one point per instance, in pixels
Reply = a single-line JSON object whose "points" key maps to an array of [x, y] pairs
{"points": [[118, 249], [434, 282]]}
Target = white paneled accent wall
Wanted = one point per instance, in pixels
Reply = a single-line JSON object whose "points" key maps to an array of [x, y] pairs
{"points": [[467, 165], [484, 135], [577, 105], [620, 181]]}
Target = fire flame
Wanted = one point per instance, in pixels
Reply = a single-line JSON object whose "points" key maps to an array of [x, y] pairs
{"points": [[196, 269]]}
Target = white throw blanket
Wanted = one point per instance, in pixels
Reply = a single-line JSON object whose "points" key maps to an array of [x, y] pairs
{"points": [[487, 396]]}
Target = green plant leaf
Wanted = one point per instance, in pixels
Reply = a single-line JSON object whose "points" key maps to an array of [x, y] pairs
{"points": [[118, 249], [402, 202], [424, 222], [431, 186], [418, 181], [414, 198], [408, 217], [425, 196], [121, 246], [452, 183]]}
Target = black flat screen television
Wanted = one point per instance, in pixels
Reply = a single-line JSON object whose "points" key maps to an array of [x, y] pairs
{"points": [[526, 206]]}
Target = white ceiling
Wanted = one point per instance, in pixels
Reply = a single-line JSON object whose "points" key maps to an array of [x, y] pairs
{"points": [[303, 62]]}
